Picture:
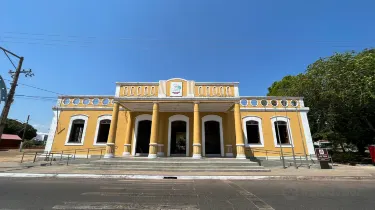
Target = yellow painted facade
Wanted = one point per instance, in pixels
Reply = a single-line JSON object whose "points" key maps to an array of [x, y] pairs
{"points": [[77, 123]]}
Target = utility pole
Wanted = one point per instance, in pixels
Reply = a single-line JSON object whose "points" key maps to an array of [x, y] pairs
{"points": [[24, 132], [8, 103]]}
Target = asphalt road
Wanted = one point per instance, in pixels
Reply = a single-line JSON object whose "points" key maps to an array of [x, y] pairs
{"points": [[184, 194]]}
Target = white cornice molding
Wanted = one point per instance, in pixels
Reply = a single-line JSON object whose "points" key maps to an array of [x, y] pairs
{"points": [[137, 83], [231, 99], [217, 83], [85, 108], [256, 109], [87, 96], [272, 97]]}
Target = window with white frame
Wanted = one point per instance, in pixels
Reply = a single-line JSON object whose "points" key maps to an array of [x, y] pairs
{"points": [[104, 126], [252, 127], [77, 130], [281, 131]]}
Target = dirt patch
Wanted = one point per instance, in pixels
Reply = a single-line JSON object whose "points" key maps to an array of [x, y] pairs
{"points": [[13, 155]]}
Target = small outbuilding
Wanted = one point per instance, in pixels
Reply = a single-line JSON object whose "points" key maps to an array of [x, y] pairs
{"points": [[10, 141]]}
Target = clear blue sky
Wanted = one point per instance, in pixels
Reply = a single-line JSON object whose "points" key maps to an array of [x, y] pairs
{"points": [[84, 47]]}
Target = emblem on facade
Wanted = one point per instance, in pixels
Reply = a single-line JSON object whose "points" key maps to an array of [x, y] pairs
{"points": [[176, 89]]}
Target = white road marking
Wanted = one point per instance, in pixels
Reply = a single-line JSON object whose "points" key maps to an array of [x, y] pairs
{"points": [[119, 205], [130, 194], [259, 203]]}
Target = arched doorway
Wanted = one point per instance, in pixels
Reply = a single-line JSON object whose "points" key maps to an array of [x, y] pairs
{"points": [[178, 136], [143, 137], [212, 136], [142, 133]]}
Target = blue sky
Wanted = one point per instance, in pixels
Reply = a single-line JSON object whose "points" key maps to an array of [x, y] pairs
{"points": [[84, 47]]}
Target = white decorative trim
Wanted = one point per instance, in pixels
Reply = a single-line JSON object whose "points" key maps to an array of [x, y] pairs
{"points": [[85, 96], [152, 156], [301, 103], [241, 156], [272, 97], [217, 83], [77, 117], [177, 79], [284, 119], [272, 109], [137, 120], [162, 93], [98, 108], [100, 118], [178, 118], [136, 83], [52, 131], [217, 119], [260, 130], [307, 133], [191, 88], [230, 99], [197, 156], [236, 91], [118, 87]]}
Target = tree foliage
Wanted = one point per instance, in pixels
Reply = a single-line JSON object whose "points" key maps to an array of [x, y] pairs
{"points": [[16, 127], [340, 91]]}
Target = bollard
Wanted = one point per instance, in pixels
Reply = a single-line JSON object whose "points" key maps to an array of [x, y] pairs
{"points": [[50, 162], [23, 154], [67, 162], [36, 153], [101, 152], [62, 152], [266, 155], [88, 151], [75, 152]]}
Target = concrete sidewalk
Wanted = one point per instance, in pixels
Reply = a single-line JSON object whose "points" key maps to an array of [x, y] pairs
{"points": [[339, 172]]}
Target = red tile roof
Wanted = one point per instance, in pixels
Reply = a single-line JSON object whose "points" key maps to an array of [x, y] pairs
{"points": [[11, 137]]}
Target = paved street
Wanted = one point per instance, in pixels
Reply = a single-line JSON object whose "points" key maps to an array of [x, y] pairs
{"points": [[183, 194]]}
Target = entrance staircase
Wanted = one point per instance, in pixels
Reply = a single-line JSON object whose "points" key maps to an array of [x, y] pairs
{"points": [[173, 164]]}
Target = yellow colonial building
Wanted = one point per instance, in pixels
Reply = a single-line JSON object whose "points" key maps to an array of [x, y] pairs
{"points": [[178, 117]]}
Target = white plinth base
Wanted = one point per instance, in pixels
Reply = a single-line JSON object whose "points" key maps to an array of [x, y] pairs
{"points": [[109, 156], [241, 156], [152, 156], [197, 156], [229, 155], [126, 154]]}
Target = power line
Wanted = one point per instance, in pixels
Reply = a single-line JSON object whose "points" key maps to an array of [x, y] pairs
{"points": [[174, 43], [46, 97], [37, 88]]}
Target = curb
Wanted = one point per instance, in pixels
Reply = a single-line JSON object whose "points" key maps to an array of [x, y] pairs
{"points": [[120, 176]]}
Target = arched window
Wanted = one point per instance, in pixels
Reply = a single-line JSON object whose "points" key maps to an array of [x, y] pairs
{"points": [[253, 132], [281, 131], [252, 129], [102, 129], [103, 132], [77, 130]]}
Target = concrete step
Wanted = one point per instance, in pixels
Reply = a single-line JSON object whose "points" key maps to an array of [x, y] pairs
{"points": [[165, 164], [158, 167], [250, 169]]}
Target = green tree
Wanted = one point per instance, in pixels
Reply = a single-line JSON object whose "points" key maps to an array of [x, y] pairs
{"points": [[16, 127], [340, 91]]}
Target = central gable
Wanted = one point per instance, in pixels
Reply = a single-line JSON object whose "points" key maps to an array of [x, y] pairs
{"points": [[176, 87]]}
